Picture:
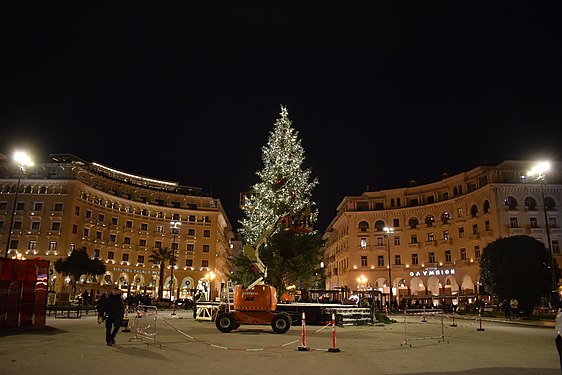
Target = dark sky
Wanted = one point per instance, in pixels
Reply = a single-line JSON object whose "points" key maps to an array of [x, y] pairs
{"points": [[380, 95]]}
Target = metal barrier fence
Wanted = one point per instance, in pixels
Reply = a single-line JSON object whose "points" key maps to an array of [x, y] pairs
{"points": [[144, 324], [437, 318]]}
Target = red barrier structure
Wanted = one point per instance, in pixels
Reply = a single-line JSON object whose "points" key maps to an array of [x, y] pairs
{"points": [[334, 349], [23, 292], [303, 347]]}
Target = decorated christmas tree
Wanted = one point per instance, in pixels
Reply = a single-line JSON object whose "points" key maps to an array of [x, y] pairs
{"points": [[285, 187]]}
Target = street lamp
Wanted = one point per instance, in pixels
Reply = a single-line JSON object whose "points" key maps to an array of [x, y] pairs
{"points": [[387, 232], [210, 276], [23, 160], [539, 170], [175, 226]]}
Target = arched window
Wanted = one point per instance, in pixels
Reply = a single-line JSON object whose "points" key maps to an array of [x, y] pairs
{"points": [[474, 210], [379, 224], [531, 204], [486, 206], [363, 226], [413, 223], [445, 217], [510, 202], [429, 220], [549, 203]]}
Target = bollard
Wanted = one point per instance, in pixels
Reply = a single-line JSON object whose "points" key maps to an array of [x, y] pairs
{"points": [[454, 324], [423, 316], [480, 319], [173, 308], [303, 347], [334, 349]]}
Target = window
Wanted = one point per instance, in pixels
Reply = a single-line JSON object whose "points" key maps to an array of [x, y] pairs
{"points": [[96, 253], [463, 253], [448, 256], [413, 238], [548, 203], [380, 260], [474, 211], [191, 232], [189, 262], [158, 244], [88, 214], [413, 223], [140, 259], [513, 222], [397, 260], [125, 257], [77, 211], [445, 217], [98, 235], [430, 237], [58, 207], [379, 225], [533, 222], [159, 229], [32, 245], [461, 232], [415, 259], [129, 224], [86, 232], [204, 263], [3, 206], [190, 247], [175, 216], [101, 218], [74, 229], [555, 246], [142, 242], [552, 222], [363, 226], [474, 228], [1, 224], [206, 248], [460, 212], [110, 255], [445, 235], [127, 240], [144, 226], [486, 207], [487, 225], [363, 261], [35, 225], [191, 218], [476, 251], [206, 233], [429, 220], [531, 203], [363, 243], [38, 206], [55, 225], [396, 240], [17, 225], [510, 203], [431, 257], [52, 245], [112, 238], [114, 221], [380, 241], [396, 223], [14, 244], [20, 206]]}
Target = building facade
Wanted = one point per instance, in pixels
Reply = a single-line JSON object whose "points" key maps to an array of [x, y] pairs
{"points": [[439, 230], [118, 217]]}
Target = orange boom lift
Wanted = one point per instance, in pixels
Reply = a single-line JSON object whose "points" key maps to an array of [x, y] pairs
{"points": [[256, 304]]}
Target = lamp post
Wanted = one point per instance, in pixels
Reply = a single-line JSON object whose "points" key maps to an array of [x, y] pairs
{"points": [[539, 170], [23, 160], [388, 231], [175, 226], [210, 277]]}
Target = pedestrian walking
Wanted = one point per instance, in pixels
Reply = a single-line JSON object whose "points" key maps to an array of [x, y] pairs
{"points": [[506, 309], [100, 302], [514, 304], [112, 312]]}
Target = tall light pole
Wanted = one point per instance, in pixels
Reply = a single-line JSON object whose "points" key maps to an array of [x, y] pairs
{"points": [[539, 170], [387, 232], [23, 160], [175, 226]]}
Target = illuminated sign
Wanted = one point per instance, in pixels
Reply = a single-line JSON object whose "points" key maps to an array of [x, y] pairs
{"points": [[433, 272], [133, 270]]}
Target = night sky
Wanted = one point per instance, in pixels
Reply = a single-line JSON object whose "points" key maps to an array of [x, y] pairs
{"points": [[380, 95]]}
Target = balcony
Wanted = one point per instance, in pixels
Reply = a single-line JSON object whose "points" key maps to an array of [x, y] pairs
{"points": [[516, 231], [414, 245], [474, 236], [430, 243], [448, 241]]}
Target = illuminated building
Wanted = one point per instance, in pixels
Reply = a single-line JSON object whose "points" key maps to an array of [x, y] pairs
{"points": [[67, 203], [439, 230]]}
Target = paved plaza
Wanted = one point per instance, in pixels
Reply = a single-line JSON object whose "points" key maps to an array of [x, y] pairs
{"points": [[186, 346]]}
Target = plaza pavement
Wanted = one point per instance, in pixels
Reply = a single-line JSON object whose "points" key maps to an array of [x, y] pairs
{"points": [[186, 346]]}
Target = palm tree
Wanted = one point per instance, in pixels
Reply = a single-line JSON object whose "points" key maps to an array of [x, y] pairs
{"points": [[160, 256]]}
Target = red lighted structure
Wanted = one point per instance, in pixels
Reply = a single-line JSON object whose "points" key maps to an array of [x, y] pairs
{"points": [[23, 292]]}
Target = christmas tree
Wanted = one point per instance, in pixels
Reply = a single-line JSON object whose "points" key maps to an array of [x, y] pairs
{"points": [[284, 188]]}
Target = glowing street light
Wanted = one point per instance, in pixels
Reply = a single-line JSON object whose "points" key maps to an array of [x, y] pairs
{"points": [[175, 226], [539, 172], [23, 161], [210, 276], [388, 232]]}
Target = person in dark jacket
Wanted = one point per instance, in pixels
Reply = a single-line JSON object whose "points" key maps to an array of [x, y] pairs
{"points": [[112, 309]]}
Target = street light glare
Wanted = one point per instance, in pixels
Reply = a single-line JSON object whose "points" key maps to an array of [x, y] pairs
{"points": [[23, 159], [540, 168]]}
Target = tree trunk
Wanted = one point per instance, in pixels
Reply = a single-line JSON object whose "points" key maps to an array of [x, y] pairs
{"points": [[161, 282]]}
